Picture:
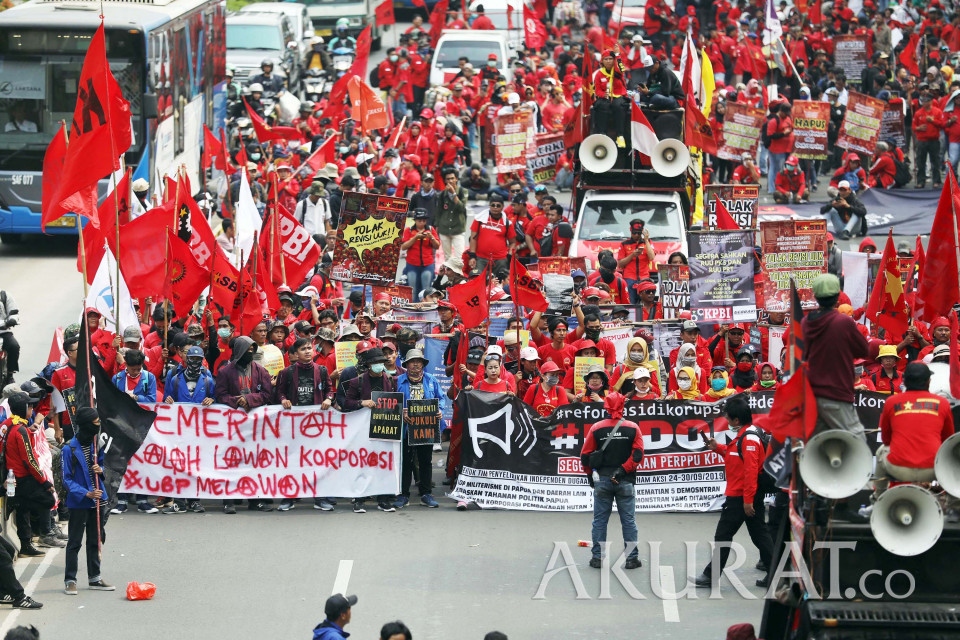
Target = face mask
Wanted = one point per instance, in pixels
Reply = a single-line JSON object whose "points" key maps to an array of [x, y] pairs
{"points": [[766, 384], [223, 333], [255, 157], [733, 427], [636, 356], [592, 334], [492, 65], [245, 359], [718, 384], [684, 384], [595, 385], [607, 276], [744, 366], [376, 368], [344, 150], [688, 361], [566, 47], [394, 58], [551, 381]]}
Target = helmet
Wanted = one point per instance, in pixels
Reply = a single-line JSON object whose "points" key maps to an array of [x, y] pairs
{"points": [[256, 87], [342, 24], [792, 161], [266, 62], [230, 72], [749, 349]]}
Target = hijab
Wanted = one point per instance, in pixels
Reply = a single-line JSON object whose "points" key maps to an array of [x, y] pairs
{"points": [[686, 349], [693, 393], [629, 366], [726, 391]]}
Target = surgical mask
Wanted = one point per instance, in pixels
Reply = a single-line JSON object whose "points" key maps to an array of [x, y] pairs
{"points": [[344, 150], [376, 368], [551, 381], [223, 333], [492, 65], [744, 366], [394, 58], [718, 384], [593, 334], [766, 384], [733, 427], [636, 356], [566, 47], [688, 361], [684, 384], [595, 385], [254, 157]]}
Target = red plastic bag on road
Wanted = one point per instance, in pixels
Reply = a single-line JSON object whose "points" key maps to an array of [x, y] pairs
{"points": [[140, 590]]}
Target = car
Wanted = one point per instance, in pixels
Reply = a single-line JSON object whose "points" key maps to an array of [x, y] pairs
{"points": [[604, 222], [255, 36], [299, 18], [475, 45]]}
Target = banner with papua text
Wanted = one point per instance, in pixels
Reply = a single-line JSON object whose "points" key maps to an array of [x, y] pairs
{"points": [[211, 452], [810, 122], [369, 235], [515, 459], [721, 276], [740, 132], [514, 141], [792, 249], [860, 129]]}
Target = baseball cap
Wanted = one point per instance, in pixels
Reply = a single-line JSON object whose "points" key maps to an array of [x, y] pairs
{"points": [[843, 184], [641, 372], [578, 273], [689, 325], [337, 605], [826, 285], [132, 334], [303, 326], [549, 367], [529, 353]]}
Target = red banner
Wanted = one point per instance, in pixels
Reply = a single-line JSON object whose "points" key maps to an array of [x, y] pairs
{"points": [[741, 131], [810, 121], [792, 249], [860, 130]]}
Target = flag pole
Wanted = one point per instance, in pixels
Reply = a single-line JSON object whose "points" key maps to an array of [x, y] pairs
{"points": [[166, 299], [240, 288], [283, 262], [254, 257], [116, 226]]}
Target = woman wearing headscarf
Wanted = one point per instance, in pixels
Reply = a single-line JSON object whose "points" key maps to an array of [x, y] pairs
{"points": [[688, 385], [768, 378], [637, 357], [745, 372], [687, 357], [719, 385]]}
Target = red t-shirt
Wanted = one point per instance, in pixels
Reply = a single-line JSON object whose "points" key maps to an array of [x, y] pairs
{"points": [[544, 402], [64, 380], [499, 387], [492, 236], [914, 424], [639, 267], [562, 357], [422, 253]]}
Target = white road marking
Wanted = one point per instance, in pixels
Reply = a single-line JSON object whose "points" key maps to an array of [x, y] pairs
{"points": [[671, 612], [342, 581], [28, 589]]}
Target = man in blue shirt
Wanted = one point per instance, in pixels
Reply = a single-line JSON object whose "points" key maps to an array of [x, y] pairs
{"points": [[338, 611], [416, 384]]}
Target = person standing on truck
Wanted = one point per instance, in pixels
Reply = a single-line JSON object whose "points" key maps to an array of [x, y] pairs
{"points": [[611, 105], [635, 257], [482, 21]]}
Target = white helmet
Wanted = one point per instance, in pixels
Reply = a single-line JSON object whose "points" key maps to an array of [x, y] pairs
{"points": [[256, 87]]}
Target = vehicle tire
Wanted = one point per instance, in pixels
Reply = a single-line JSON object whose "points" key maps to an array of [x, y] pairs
{"points": [[11, 238]]}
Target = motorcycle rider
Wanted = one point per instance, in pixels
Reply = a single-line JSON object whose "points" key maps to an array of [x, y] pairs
{"points": [[270, 83], [317, 56], [234, 88], [342, 38], [254, 100], [9, 318]]}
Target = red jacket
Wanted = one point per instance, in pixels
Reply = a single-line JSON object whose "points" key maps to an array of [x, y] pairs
{"points": [[742, 474], [914, 424], [927, 130], [782, 127], [21, 458], [883, 171], [791, 182], [626, 450]]}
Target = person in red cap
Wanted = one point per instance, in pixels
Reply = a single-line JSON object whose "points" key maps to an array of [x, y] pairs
{"points": [[790, 185], [725, 345], [409, 182], [382, 306], [610, 112], [649, 308], [288, 187], [548, 395], [635, 257], [939, 334]]}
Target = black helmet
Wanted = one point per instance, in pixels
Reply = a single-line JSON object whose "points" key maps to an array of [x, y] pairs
{"points": [[266, 62]]}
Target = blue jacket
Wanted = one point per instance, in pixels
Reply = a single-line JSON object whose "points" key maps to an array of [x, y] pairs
{"points": [[146, 389], [327, 630], [176, 387], [76, 477], [431, 390]]}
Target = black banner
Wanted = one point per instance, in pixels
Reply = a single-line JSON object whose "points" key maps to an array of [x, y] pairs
{"points": [[423, 422], [386, 417]]}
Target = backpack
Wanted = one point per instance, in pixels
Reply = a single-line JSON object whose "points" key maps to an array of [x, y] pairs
{"points": [[765, 482], [765, 138], [902, 176], [375, 77]]}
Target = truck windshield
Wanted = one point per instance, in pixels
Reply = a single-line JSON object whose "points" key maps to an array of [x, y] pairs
{"points": [[610, 219], [476, 50], [254, 36]]}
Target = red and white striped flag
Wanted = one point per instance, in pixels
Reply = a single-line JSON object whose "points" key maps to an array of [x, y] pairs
{"points": [[644, 137]]}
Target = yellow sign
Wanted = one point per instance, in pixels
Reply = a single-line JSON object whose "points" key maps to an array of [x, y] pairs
{"points": [[346, 354], [580, 367], [272, 359]]}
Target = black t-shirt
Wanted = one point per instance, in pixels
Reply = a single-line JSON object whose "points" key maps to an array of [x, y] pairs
{"points": [[304, 386]]}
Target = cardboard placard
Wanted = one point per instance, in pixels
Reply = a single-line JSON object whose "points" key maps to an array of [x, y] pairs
{"points": [[810, 123], [346, 354], [741, 131], [792, 249], [368, 240], [399, 294], [892, 127], [386, 417], [674, 289], [549, 148], [514, 141], [423, 422], [580, 367], [860, 130], [851, 54], [271, 359], [721, 276], [741, 200]]}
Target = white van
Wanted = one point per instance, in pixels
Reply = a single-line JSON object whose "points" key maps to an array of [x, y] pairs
{"points": [[475, 45]]}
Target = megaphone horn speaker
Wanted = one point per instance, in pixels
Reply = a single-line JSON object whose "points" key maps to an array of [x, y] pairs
{"points": [[906, 520], [947, 465], [598, 153], [836, 464], [670, 158]]}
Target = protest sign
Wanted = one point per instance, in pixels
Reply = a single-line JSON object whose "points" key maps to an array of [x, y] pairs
{"points": [[581, 365], [860, 129], [810, 123], [563, 266], [434, 347], [740, 132], [558, 288], [514, 141], [741, 201], [271, 358], [399, 294], [346, 354], [777, 336], [666, 338], [194, 451], [368, 239], [851, 53], [721, 276], [549, 148], [892, 126], [416, 315], [674, 289], [423, 422], [515, 459], [792, 249], [386, 418]]}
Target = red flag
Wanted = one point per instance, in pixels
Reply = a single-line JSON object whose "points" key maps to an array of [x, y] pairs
{"points": [[266, 132], [95, 240], [699, 133], [534, 31], [794, 410], [225, 156], [362, 57], [225, 282], [438, 20], [540, 8], [242, 159], [395, 138], [100, 131], [384, 13], [524, 290], [888, 305], [143, 260], [368, 108], [247, 310], [318, 159], [795, 341], [185, 278], [212, 151], [288, 241], [471, 300], [916, 270], [939, 286], [954, 356], [419, 3], [725, 221], [192, 225], [50, 206], [94, 248]]}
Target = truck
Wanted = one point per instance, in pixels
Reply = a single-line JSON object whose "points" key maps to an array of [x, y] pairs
{"points": [[359, 14]]}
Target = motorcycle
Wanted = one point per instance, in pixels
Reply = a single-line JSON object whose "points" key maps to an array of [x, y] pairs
{"points": [[343, 59], [314, 84]]}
